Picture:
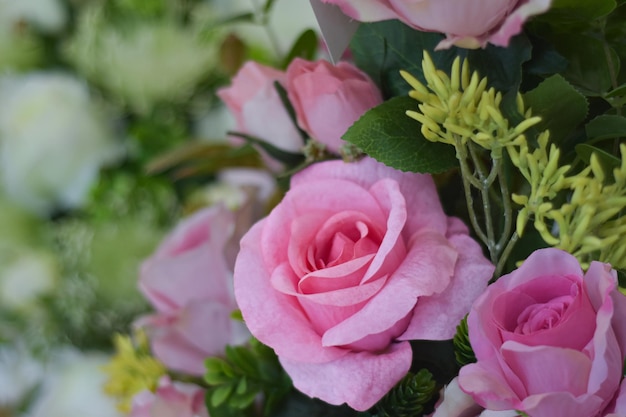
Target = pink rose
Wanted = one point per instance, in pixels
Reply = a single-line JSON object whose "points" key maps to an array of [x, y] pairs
{"points": [[189, 283], [258, 109], [328, 99], [453, 402], [356, 260], [170, 399], [549, 340], [468, 23]]}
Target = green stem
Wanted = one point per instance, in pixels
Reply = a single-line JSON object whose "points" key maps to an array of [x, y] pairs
{"points": [[505, 255], [485, 184], [264, 19], [468, 179]]}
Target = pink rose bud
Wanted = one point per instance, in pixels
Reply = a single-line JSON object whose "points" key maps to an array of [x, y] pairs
{"points": [[550, 340], [467, 23], [170, 399], [188, 282], [328, 99], [356, 260], [258, 109]]}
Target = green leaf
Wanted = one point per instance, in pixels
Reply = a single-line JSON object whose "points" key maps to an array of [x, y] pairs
{"points": [[268, 6], [382, 49], [220, 394], [242, 358], [305, 47], [608, 161], [289, 158], [409, 397], [463, 351], [217, 371], [502, 66], [606, 126], [560, 106], [578, 10], [588, 67], [387, 134]]}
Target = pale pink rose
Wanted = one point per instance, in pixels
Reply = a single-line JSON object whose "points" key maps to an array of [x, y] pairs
{"points": [[171, 399], [549, 340], [467, 23], [257, 107], [357, 259], [188, 282], [328, 98]]}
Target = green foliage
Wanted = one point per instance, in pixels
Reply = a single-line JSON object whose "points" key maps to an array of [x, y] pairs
{"points": [[409, 397], [387, 134], [462, 348], [304, 47], [561, 107], [238, 379], [606, 126], [382, 49]]}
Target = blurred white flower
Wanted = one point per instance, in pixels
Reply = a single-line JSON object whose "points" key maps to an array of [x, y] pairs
{"points": [[46, 15], [73, 387], [19, 374], [26, 276], [52, 141], [152, 62]]}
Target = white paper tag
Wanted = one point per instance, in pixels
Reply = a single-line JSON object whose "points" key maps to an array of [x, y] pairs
{"points": [[337, 28]]}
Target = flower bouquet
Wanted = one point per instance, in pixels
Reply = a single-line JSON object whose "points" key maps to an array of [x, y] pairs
{"points": [[434, 225]]}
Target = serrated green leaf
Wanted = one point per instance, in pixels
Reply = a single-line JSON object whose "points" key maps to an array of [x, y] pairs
{"points": [[606, 126], [305, 46], [387, 134], [607, 161], [382, 49], [560, 106], [220, 394]]}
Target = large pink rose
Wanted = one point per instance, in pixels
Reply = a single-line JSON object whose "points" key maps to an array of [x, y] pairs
{"points": [[549, 340], [257, 107], [467, 23], [170, 399], [356, 259], [189, 283], [328, 98]]}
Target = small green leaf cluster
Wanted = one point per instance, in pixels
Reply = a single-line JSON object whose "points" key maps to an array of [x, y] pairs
{"points": [[409, 397], [463, 351], [247, 373]]}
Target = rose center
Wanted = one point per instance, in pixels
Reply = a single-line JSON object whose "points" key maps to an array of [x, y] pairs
{"points": [[346, 242], [538, 317]]}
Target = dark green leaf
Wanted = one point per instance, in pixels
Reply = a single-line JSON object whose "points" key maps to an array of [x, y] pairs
{"points": [[409, 397], [578, 10], [387, 134], [462, 348], [284, 98], [606, 126], [502, 66], [242, 358], [243, 400], [289, 158], [305, 47], [588, 58], [382, 49], [560, 106], [607, 161]]}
